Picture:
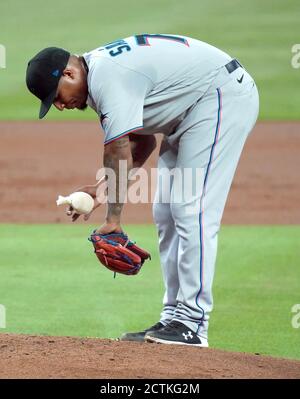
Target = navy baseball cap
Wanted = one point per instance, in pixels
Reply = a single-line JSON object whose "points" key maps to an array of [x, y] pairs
{"points": [[43, 73]]}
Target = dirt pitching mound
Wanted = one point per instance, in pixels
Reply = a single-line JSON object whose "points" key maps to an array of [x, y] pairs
{"points": [[25, 356], [40, 160]]}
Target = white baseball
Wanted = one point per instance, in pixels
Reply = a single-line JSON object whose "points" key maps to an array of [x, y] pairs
{"points": [[81, 202]]}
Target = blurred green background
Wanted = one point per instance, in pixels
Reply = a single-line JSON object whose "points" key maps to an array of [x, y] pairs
{"points": [[52, 288], [259, 33]]}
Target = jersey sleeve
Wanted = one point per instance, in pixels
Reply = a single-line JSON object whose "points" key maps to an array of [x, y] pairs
{"points": [[119, 94]]}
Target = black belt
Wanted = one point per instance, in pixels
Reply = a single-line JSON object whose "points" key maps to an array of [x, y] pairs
{"points": [[233, 65]]}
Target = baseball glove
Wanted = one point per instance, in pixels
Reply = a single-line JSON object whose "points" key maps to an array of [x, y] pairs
{"points": [[118, 253]]}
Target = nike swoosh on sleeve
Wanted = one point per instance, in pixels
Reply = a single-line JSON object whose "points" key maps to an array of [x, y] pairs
{"points": [[240, 79]]}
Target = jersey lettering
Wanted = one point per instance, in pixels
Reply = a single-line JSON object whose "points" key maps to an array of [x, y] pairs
{"points": [[120, 46]]}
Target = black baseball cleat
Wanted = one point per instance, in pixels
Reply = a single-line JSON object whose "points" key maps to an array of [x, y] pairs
{"points": [[139, 336], [176, 333]]}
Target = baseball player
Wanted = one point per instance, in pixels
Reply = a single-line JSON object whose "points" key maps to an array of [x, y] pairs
{"points": [[205, 103]]}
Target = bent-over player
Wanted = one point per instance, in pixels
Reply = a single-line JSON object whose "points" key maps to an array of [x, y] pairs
{"points": [[205, 103]]}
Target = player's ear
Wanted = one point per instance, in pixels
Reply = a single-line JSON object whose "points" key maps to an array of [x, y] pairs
{"points": [[69, 72]]}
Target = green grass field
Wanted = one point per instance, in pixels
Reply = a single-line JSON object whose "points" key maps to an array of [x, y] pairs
{"points": [[52, 284], [259, 33]]}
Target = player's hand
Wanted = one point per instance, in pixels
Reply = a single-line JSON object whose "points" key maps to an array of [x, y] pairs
{"points": [[92, 191], [110, 227]]}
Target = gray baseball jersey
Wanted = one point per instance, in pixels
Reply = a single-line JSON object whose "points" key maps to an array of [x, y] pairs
{"points": [[147, 83], [206, 105]]}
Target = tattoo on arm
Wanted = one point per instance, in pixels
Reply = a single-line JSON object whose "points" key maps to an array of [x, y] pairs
{"points": [[118, 159], [121, 143]]}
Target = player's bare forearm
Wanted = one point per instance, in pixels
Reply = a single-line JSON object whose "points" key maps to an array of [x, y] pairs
{"points": [[135, 150], [141, 148], [119, 150]]}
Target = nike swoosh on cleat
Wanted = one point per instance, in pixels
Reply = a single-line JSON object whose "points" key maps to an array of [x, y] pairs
{"points": [[240, 79]]}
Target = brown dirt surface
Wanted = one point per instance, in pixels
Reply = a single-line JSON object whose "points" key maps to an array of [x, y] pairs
{"points": [[24, 356], [40, 160]]}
